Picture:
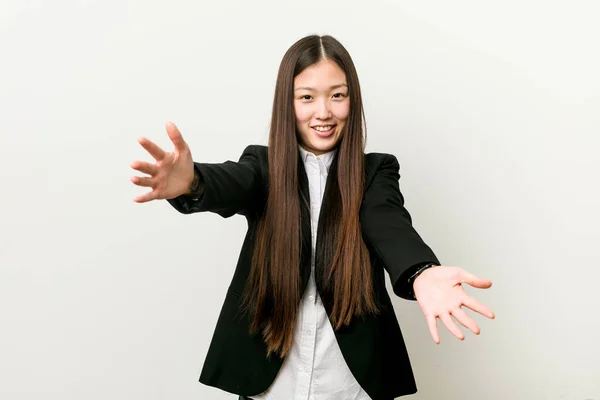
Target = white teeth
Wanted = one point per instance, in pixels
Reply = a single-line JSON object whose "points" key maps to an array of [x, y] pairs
{"points": [[323, 128]]}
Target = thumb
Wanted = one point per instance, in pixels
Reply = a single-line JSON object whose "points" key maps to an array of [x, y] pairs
{"points": [[474, 280], [175, 136]]}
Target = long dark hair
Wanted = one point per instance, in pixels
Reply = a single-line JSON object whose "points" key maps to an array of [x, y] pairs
{"points": [[273, 290]]}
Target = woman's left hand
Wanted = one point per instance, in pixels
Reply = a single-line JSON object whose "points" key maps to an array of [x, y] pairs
{"points": [[440, 294]]}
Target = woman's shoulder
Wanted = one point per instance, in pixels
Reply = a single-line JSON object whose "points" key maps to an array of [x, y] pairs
{"points": [[256, 153], [257, 149], [376, 161], [377, 157]]}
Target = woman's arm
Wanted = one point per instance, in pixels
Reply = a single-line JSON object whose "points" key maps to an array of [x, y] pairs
{"points": [[387, 227], [224, 188]]}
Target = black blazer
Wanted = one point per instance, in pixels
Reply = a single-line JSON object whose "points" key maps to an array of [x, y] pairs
{"points": [[373, 347]]}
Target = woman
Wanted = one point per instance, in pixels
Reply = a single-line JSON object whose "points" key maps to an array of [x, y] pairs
{"points": [[307, 314]]}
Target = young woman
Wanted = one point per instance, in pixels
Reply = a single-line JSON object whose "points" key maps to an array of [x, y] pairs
{"points": [[307, 315]]}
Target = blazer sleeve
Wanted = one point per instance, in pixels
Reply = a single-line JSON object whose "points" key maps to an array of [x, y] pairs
{"points": [[229, 188], [387, 228]]}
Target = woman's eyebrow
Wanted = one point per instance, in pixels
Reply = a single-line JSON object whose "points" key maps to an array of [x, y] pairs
{"points": [[331, 88]]}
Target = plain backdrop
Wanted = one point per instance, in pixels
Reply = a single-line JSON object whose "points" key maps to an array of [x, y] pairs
{"points": [[492, 109]]}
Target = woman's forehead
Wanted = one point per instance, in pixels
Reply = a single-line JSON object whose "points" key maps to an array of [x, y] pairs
{"points": [[325, 75]]}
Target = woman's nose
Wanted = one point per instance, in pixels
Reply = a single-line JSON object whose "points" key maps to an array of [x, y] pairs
{"points": [[323, 112]]}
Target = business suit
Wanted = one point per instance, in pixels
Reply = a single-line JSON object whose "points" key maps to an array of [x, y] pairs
{"points": [[373, 346]]}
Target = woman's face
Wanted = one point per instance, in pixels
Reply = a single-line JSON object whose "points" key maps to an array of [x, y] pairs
{"points": [[322, 105]]}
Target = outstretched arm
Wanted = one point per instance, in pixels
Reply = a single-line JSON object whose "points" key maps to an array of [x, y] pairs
{"points": [[225, 188], [387, 226]]}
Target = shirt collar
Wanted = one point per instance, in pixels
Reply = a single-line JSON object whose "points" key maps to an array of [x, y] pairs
{"points": [[325, 158]]}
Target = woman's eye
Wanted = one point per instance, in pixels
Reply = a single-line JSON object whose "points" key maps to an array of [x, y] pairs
{"points": [[339, 95], [306, 97]]}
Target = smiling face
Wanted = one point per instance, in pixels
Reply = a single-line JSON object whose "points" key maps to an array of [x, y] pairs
{"points": [[322, 106]]}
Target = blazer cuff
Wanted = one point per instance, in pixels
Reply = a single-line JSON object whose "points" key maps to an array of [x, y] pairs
{"points": [[403, 287], [191, 202]]}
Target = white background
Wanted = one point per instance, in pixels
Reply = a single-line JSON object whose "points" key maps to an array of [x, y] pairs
{"points": [[492, 109]]}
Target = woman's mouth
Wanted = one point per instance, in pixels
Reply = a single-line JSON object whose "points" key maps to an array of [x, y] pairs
{"points": [[324, 130]]}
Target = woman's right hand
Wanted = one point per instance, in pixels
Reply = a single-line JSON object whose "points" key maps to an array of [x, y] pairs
{"points": [[173, 172]]}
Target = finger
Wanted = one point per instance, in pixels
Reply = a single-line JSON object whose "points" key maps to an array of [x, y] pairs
{"points": [[152, 148], [451, 326], [432, 324], [145, 167], [474, 280], [465, 320], [175, 136], [146, 197], [476, 306], [143, 181]]}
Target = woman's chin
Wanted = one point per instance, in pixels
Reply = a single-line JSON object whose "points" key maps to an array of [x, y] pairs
{"points": [[322, 146]]}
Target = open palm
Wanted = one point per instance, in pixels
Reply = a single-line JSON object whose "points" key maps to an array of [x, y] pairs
{"points": [[440, 293]]}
